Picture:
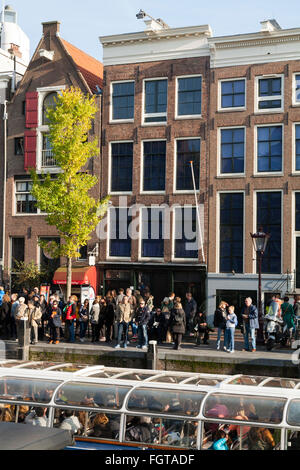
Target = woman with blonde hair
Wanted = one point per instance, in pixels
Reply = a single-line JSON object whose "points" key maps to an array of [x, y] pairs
{"points": [[178, 324], [220, 319]]}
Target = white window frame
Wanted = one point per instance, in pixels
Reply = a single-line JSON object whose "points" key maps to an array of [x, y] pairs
{"points": [[44, 129], [173, 257], [219, 142], [183, 191], [118, 193], [108, 257], [262, 174], [255, 192], [144, 115], [116, 121], [294, 102], [15, 213], [218, 219], [233, 108], [259, 99], [142, 191], [294, 171], [140, 257], [188, 116]]}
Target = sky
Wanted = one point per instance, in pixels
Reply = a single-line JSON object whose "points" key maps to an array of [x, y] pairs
{"points": [[83, 21]]}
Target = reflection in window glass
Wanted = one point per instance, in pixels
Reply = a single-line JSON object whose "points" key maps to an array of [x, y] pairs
{"points": [[262, 409], [123, 100], [233, 94], [247, 380], [166, 401], [297, 91], [34, 390], [282, 383], [189, 96], [269, 149], [293, 414], [240, 437], [156, 100], [161, 431], [88, 423], [92, 395], [232, 150]]}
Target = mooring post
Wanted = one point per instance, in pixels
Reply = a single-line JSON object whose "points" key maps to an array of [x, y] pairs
{"points": [[23, 339], [152, 356]]}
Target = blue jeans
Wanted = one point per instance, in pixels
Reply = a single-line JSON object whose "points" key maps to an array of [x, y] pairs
{"points": [[134, 328], [252, 333], [229, 339], [220, 331], [70, 326], [142, 335], [123, 327], [83, 327]]}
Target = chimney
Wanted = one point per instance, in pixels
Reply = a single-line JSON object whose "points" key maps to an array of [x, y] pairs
{"points": [[269, 26], [51, 28]]}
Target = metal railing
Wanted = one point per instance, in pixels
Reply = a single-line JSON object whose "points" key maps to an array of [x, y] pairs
{"points": [[47, 159]]}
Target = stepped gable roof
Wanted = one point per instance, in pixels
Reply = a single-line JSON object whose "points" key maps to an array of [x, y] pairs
{"points": [[91, 68]]}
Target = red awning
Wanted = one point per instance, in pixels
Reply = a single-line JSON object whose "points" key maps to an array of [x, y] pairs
{"points": [[80, 276]]}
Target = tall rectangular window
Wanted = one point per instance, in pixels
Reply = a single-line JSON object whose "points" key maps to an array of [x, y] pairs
{"points": [[25, 202], [187, 150], [232, 150], [269, 149], [152, 233], [154, 166], [186, 233], [297, 88], [269, 218], [47, 262], [270, 93], [297, 146], [120, 240], [19, 146], [122, 100], [156, 100], [121, 167], [297, 214], [233, 94], [231, 232], [189, 96], [17, 251]]}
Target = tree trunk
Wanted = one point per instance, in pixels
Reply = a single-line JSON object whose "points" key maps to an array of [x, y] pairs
{"points": [[69, 277]]}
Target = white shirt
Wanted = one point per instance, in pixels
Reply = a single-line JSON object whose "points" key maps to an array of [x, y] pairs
{"points": [[71, 424]]}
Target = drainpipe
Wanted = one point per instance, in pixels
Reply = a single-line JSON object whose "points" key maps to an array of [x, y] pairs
{"points": [[4, 185]]}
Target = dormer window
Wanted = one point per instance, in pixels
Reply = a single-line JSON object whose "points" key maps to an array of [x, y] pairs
{"points": [[49, 102]]}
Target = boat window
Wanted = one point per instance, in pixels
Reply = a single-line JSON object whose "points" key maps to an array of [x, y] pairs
{"points": [[92, 395], [88, 423], [204, 381], [27, 389], [293, 413], [39, 365], [170, 379], [162, 431], [217, 436], [9, 364], [282, 383], [247, 380], [70, 368], [165, 401], [101, 375], [243, 407], [135, 376]]}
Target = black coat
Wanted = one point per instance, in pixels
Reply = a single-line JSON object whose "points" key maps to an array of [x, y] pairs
{"points": [[219, 320], [178, 327], [199, 321]]}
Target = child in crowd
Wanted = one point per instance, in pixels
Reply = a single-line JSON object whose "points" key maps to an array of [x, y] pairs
{"points": [[231, 324]]}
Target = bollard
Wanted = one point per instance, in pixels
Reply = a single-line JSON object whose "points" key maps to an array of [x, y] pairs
{"points": [[152, 356], [23, 339]]}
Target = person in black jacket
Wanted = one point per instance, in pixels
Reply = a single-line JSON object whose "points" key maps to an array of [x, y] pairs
{"points": [[201, 328], [178, 324], [142, 318], [109, 319], [220, 321], [157, 325], [5, 311]]}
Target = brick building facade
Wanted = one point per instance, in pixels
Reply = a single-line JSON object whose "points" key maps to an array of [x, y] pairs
{"points": [[55, 65]]}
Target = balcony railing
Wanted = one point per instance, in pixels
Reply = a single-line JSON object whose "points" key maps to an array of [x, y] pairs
{"points": [[47, 159]]}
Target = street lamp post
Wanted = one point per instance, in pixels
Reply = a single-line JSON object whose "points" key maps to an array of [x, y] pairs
{"points": [[260, 240]]}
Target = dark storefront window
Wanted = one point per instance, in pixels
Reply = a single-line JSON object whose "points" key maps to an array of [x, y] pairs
{"points": [[188, 150], [152, 233], [121, 167], [231, 232], [120, 240], [123, 100], [269, 218], [155, 166], [236, 298], [186, 233]]}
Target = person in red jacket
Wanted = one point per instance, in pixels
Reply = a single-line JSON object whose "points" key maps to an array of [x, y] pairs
{"points": [[70, 316]]}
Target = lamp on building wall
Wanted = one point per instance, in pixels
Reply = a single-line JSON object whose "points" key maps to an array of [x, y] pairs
{"points": [[260, 240]]}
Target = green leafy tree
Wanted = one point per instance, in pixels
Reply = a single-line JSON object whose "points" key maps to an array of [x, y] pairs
{"points": [[28, 275], [66, 199]]}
